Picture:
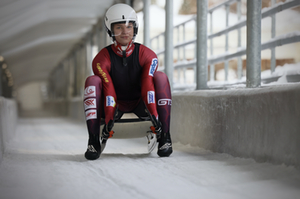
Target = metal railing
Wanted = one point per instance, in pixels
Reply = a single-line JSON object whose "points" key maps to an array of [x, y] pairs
{"points": [[183, 62]]}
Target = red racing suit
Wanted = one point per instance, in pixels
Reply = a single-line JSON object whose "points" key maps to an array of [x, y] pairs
{"points": [[127, 77]]}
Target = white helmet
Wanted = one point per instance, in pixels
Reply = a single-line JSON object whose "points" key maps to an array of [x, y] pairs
{"points": [[120, 13]]}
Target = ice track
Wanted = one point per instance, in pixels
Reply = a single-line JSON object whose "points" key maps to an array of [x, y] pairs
{"points": [[45, 161]]}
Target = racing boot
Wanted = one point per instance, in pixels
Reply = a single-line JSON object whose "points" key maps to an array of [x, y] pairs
{"points": [[94, 148], [164, 145], [163, 139]]}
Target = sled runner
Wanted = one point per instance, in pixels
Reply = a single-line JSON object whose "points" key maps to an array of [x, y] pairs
{"points": [[129, 127]]}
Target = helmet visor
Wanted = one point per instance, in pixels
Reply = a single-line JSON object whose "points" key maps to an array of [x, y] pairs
{"points": [[123, 28]]}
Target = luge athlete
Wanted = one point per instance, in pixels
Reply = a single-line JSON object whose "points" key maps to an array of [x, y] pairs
{"points": [[126, 80]]}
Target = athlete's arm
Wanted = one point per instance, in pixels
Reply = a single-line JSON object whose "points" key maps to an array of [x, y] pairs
{"points": [[101, 66], [149, 62]]}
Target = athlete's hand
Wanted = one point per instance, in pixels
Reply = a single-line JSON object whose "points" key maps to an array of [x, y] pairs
{"points": [[107, 130], [157, 127]]}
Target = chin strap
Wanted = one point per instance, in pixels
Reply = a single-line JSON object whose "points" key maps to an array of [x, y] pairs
{"points": [[121, 49]]}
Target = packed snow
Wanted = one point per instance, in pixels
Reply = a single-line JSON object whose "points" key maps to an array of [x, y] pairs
{"points": [[45, 160]]}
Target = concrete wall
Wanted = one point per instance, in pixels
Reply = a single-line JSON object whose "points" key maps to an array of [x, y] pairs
{"points": [[57, 107], [261, 123], [8, 122], [29, 96], [76, 109]]}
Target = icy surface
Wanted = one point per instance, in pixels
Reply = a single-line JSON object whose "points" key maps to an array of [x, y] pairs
{"points": [[45, 160]]}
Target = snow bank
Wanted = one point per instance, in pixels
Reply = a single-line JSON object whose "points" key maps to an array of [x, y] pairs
{"points": [[282, 71], [8, 122]]}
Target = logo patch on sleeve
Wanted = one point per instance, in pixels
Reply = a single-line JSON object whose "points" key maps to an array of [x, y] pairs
{"points": [[153, 66], [102, 73], [163, 102], [90, 91], [91, 114], [90, 103], [110, 101], [150, 97]]}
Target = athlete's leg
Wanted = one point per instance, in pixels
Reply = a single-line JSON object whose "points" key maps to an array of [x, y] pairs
{"points": [[163, 99], [93, 109], [164, 102]]}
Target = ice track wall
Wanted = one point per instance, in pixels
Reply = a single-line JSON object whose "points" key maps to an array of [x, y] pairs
{"points": [[8, 122], [261, 123]]}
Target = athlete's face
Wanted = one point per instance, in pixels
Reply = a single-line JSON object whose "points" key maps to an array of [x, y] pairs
{"points": [[123, 33]]}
